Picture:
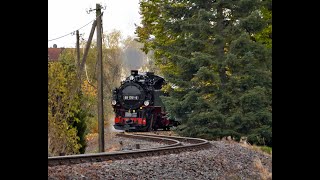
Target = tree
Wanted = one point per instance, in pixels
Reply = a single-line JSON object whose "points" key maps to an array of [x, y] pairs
{"points": [[66, 118], [72, 105], [212, 55], [113, 68], [112, 71]]}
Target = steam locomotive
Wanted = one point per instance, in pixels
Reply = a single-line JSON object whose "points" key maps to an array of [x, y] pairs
{"points": [[137, 104]]}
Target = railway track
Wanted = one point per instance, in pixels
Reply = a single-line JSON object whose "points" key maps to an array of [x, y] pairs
{"points": [[173, 145]]}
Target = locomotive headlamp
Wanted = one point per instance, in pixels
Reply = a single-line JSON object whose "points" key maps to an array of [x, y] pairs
{"points": [[113, 102], [146, 103], [131, 78]]}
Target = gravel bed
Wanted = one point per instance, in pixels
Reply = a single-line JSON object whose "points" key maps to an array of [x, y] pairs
{"points": [[224, 160], [116, 143]]}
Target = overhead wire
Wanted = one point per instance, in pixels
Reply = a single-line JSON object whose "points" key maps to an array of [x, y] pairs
{"points": [[71, 33]]}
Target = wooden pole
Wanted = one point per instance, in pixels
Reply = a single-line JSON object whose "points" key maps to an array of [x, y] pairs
{"points": [[78, 50], [87, 46], [100, 80]]}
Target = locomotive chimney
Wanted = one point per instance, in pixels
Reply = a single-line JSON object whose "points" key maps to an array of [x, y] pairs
{"points": [[150, 73], [134, 72]]}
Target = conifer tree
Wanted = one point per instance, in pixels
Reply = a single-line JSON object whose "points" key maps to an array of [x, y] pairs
{"points": [[216, 58]]}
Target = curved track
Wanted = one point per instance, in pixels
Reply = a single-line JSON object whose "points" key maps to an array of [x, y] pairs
{"points": [[174, 145]]}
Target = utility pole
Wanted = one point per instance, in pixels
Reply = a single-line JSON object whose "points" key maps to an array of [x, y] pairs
{"points": [[86, 51], [81, 64], [100, 78], [78, 54], [78, 49]]}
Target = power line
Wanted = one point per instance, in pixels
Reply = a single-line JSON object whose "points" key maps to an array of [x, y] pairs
{"points": [[71, 33]]}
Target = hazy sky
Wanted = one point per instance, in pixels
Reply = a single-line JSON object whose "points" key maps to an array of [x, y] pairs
{"points": [[65, 16]]}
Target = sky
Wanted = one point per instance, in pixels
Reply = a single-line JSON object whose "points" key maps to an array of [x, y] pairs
{"points": [[66, 16]]}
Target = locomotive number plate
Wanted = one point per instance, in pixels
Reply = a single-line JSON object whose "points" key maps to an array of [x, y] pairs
{"points": [[131, 97]]}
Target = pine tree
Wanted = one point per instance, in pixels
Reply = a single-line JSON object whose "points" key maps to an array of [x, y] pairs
{"points": [[219, 74]]}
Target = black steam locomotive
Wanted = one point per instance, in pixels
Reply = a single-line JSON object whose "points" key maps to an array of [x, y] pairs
{"points": [[137, 104]]}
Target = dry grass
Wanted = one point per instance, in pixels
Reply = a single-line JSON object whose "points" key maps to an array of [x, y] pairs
{"points": [[256, 148], [264, 173], [114, 147], [243, 142], [91, 136]]}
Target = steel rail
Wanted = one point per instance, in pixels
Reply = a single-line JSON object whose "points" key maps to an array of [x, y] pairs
{"points": [[174, 146]]}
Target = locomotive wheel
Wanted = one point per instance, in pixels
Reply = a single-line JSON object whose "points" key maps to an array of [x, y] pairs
{"points": [[148, 126], [166, 128]]}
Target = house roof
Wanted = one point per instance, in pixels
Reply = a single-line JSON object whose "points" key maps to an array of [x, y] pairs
{"points": [[53, 53]]}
